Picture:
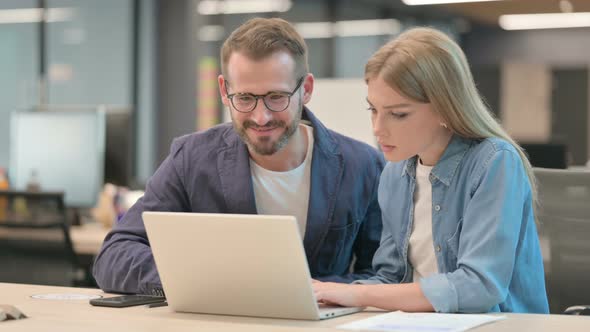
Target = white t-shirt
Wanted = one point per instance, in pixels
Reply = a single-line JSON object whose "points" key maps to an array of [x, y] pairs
{"points": [[285, 193], [421, 249]]}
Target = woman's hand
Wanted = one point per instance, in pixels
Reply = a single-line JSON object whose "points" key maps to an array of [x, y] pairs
{"points": [[406, 297], [332, 293]]}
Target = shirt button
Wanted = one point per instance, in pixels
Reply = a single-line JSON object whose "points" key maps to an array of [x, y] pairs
{"points": [[437, 207], [437, 248]]}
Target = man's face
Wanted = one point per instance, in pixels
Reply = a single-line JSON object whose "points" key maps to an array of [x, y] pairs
{"points": [[264, 131]]}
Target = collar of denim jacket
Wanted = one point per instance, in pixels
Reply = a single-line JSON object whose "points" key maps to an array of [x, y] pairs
{"points": [[447, 165]]}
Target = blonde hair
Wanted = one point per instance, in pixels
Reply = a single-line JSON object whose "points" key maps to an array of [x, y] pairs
{"points": [[262, 37], [425, 65]]}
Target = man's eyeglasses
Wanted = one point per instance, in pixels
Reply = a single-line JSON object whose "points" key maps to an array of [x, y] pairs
{"points": [[276, 101]]}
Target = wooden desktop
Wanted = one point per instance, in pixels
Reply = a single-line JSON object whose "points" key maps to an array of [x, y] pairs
{"points": [[78, 315]]}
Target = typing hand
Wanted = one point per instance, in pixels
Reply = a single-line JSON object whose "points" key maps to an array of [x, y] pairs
{"points": [[332, 293]]}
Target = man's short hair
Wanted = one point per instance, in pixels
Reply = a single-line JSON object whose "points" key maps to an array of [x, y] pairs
{"points": [[259, 38]]}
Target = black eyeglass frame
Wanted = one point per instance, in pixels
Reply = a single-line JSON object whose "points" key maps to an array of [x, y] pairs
{"points": [[263, 97]]}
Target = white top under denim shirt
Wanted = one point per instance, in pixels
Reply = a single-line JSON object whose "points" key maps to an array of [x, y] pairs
{"points": [[483, 228], [421, 254]]}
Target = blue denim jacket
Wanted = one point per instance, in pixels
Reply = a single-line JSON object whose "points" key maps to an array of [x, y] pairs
{"points": [[209, 172], [483, 227]]}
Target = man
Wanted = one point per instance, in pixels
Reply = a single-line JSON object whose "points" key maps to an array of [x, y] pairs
{"points": [[277, 158]]}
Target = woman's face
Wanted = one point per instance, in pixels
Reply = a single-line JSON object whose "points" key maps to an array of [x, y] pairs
{"points": [[403, 127]]}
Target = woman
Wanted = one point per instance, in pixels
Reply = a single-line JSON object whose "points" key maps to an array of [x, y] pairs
{"points": [[457, 196]]}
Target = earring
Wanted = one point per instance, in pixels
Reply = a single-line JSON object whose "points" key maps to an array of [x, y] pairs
{"points": [[442, 124]]}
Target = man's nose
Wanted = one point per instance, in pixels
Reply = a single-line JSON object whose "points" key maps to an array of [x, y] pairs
{"points": [[260, 114]]}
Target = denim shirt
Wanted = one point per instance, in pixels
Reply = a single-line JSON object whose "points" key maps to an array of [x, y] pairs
{"points": [[483, 226]]}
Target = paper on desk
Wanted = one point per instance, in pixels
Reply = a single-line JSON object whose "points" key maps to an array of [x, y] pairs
{"points": [[65, 296], [421, 322]]}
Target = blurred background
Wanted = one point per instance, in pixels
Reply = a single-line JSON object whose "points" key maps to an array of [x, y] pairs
{"points": [[152, 64], [94, 91]]}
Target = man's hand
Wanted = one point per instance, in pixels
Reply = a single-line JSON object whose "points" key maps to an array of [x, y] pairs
{"points": [[332, 293]]}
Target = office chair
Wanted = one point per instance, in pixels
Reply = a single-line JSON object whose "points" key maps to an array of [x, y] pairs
{"points": [[564, 217], [578, 310], [36, 248]]}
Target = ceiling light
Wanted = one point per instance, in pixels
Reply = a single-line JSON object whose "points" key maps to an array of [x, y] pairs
{"points": [[215, 7], [317, 30], [544, 21], [28, 15], [354, 28], [438, 2], [34, 15]]}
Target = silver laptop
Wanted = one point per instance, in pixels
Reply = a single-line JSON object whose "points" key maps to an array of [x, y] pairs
{"points": [[232, 264]]}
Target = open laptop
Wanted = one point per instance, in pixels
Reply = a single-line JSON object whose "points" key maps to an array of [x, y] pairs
{"points": [[232, 264]]}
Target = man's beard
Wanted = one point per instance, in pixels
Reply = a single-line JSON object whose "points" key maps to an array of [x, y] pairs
{"points": [[263, 145]]}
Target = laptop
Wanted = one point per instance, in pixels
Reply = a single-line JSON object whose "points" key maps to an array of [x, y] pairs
{"points": [[233, 264]]}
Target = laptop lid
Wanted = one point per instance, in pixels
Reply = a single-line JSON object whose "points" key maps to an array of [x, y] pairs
{"points": [[231, 264]]}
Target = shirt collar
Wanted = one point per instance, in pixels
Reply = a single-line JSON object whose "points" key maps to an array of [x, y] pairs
{"points": [[446, 167]]}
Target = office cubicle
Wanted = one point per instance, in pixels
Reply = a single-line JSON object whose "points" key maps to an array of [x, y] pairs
{"points": [[56, 161], [61, 150]]}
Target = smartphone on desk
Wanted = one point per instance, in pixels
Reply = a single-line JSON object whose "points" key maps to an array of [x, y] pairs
{"points": [[126, 300]]}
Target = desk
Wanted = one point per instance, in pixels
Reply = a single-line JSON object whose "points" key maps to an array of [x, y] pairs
{"points": [[86, 243], [86, 239], [78, 315]]}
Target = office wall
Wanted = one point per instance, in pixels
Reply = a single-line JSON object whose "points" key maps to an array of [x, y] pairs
{"points": [[526, 95], [176, 71], [487, 79], [19, 67], [89, 56], [570, 111], [146, 108], [341, 105], [352, 54], [320, 50], [558, 47], [558, 50]]}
